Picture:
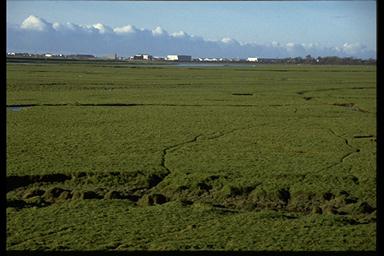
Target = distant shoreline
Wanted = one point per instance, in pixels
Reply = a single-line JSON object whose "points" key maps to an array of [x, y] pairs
{"points": [[53, 60]]}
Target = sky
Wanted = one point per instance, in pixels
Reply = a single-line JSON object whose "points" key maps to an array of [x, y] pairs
{"points": [[273, 28]]}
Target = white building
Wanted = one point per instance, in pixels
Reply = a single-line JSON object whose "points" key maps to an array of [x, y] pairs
{"points": [[179, 58], [210, 59], [253, 59], [142, 57], [147, 57]]}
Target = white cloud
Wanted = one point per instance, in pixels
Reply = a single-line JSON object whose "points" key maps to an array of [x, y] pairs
{"points": [[100, 39], [66, 27], [102, 28], [352, 48], [125, 29], [35, 23], [290, 45], [179, 34], [56, 26], [158, 31], [227, 40]]}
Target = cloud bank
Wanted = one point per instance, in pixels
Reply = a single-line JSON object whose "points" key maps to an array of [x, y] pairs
{"points": [[35, 34]]}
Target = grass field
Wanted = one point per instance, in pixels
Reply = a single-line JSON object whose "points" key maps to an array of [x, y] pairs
{"points": [[123, 157]]}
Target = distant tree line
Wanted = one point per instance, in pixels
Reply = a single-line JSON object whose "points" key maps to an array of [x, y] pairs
{"points": [[329, 60]]}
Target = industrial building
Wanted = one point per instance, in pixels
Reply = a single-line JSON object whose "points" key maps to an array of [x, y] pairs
{"points": [[253, 59], [179, 57], [142, 57]]}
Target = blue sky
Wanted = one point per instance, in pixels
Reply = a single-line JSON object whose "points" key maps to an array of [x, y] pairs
{"points": [[326, 23]]}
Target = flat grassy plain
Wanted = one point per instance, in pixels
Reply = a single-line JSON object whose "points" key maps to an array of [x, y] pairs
{"points": [[110, 156]]}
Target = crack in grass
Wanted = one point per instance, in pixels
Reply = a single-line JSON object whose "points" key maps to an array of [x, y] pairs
{"points": [[351, 106], [195, 139], [335, 89], [363, 136], [165, 151], [345, 140], [342, 159]]}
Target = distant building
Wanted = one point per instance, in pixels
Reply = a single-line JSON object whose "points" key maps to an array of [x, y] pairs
{"points": [[253, 59], [210, 59], [51, 55], [142, 57], [158, 58], [147, 57], [179, 57], [138, 57]]}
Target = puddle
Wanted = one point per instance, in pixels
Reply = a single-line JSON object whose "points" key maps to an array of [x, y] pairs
{"points": [[16, 109]]}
